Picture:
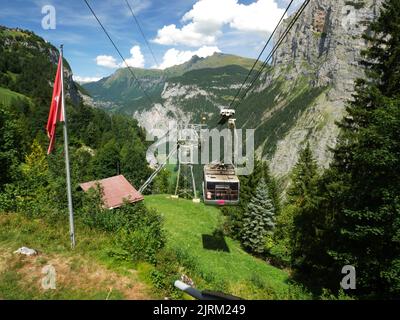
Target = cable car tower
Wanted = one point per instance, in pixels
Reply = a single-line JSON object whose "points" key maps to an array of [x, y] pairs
{"points": [[188, 144]]}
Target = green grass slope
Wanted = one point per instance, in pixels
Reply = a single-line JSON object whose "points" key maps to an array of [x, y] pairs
{"points": [[243, 274], [87, 272], [217, 60], [8, 97]]}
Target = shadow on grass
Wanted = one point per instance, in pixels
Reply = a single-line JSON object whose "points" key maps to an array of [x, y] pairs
{"points": [[215, 242]]}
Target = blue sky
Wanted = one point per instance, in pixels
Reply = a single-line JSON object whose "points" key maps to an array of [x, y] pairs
{"points": [[175, 29]]}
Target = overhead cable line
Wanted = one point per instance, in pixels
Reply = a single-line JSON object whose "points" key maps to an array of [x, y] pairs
{"points": [[142, 33], [140, 86], [261, 53], [275, 48], [119, 52]]}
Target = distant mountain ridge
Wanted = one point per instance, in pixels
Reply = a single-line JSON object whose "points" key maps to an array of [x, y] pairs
{"points": [[216, 78], [298, 99]]}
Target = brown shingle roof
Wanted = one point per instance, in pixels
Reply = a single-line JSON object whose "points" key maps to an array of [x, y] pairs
{"points": [[115, 191]]}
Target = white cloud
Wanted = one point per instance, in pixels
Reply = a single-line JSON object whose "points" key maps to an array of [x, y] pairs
{"points": [[261, 16], [136, 60], [80, 79], [106, 61], [174, 57], [171, 35], [204, 22]]}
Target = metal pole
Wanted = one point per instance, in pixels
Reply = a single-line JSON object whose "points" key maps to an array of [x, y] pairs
{"points": [[193, 182], [177, 178], [203, 295], [67, 169]]}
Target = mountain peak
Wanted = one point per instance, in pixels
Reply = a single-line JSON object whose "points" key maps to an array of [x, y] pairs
{"points": [[216, 60]]}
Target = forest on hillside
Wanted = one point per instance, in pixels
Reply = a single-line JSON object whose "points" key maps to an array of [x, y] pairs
{"points": [[348, 214]]}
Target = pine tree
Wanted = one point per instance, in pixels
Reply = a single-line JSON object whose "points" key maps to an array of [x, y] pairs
{"points": [[249, 184], [8, 146], [304, 179], [161, 182], [106, 162], [132, 165], [248, 187], [259, 219], [302, 224], [367, 161], [360, 213]]}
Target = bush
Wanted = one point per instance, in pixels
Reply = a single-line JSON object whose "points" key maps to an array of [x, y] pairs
{"points": [[233, 221], [141, 243], [8, 199], [280, 254], [328, 295], [167, 271], [280, 248], [139, 235]]}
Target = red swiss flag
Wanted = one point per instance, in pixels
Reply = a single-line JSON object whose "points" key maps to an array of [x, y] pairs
{"points": [[56, 113]]}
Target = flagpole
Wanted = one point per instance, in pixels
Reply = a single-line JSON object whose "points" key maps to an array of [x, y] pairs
{"points": [[67, 169]]}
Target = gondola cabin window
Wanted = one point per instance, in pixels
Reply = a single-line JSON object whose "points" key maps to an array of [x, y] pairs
{"points": [[221, 185]]}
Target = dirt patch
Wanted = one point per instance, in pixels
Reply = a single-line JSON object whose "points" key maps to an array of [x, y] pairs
{"points": [[76, 273]]}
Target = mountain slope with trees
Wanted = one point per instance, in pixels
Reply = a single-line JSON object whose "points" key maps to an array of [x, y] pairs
{"points": [[296, 100], [104, 145], [350, 214]]}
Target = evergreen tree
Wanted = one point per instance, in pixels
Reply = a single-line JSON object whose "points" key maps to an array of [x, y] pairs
{"points": [[106, 162], [300, 220], [8, 146], [161, 182], [304, 178], [248, 186], [360, 213], [259, 219], [368, 161], [294, 230], [132, 165]]}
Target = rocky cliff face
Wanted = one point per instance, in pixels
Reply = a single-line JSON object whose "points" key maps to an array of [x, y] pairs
{"points": [[185, 93], [298, 100], [326, 42], [324, 47], [19, 40], [71, 91]]}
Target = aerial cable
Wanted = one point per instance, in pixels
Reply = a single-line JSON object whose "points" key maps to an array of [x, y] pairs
{"points": [[129, 68], [119, 52], [261, 53], [142, 33], [127, 65], [275, 48]]}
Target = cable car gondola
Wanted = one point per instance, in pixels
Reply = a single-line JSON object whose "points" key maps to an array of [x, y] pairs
{"points": [[221, 186]]}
